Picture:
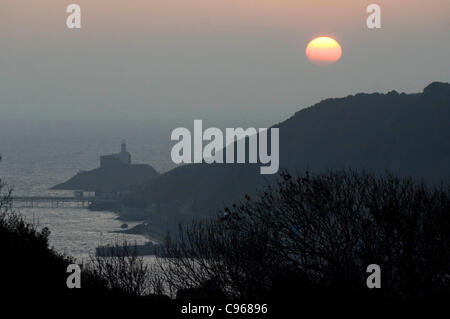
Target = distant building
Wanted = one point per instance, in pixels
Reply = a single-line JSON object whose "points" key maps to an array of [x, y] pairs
{"points": [[115, 177], [113, 160]]}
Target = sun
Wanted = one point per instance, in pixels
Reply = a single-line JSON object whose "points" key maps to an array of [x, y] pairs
{"points": [[323, 51]]}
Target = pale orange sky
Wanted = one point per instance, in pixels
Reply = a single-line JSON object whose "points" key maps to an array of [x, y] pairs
{"points": [[313, 16], [241, 60]]}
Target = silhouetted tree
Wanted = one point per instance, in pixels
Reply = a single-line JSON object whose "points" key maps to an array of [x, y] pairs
{"points": [[315, 235], [31, 270], [122, 269]]}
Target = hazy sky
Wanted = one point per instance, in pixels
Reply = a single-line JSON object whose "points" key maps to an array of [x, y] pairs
{"points": [[230, 62]]}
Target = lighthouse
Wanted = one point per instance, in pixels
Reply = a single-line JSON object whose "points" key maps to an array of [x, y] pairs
{"points": [[124, 157]]}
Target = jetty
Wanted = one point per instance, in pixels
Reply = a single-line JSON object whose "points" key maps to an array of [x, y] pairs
{"points": [[58, 201]]}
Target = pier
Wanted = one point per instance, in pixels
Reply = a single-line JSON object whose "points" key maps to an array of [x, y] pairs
{"points": [[56, 201]]}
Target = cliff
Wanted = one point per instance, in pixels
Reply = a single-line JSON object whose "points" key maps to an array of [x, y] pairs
{"points": [[115, 178], [406, 134]]}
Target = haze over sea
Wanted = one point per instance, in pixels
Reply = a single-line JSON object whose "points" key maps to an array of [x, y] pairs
{"points": [[37, 157]]}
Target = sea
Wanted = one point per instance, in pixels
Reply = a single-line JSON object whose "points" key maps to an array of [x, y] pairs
{"points": [[33, 161]]}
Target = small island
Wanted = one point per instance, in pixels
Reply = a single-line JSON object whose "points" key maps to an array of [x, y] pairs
{"points": [[111, 181]]}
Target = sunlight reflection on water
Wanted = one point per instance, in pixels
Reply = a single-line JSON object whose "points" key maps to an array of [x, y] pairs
{"points": [[77, 232]]}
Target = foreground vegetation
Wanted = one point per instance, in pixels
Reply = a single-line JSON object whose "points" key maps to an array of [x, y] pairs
{"points": [[30, 268], [314, 236], [308, 236]]}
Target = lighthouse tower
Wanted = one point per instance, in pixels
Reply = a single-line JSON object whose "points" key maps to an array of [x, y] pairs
{"points": [[124, 156]]}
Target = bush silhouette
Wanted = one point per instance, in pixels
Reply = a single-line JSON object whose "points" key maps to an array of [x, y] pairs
{"points": [[32, 270], [315, 235]]}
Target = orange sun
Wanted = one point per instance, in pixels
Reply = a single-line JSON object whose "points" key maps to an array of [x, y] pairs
{"points": [[323, 51]]}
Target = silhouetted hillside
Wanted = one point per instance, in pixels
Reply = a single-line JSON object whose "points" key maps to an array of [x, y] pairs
{"points": [[406, 134]]}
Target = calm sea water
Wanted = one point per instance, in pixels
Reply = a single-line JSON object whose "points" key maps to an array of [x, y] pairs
{"points": [[31, 165]]}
